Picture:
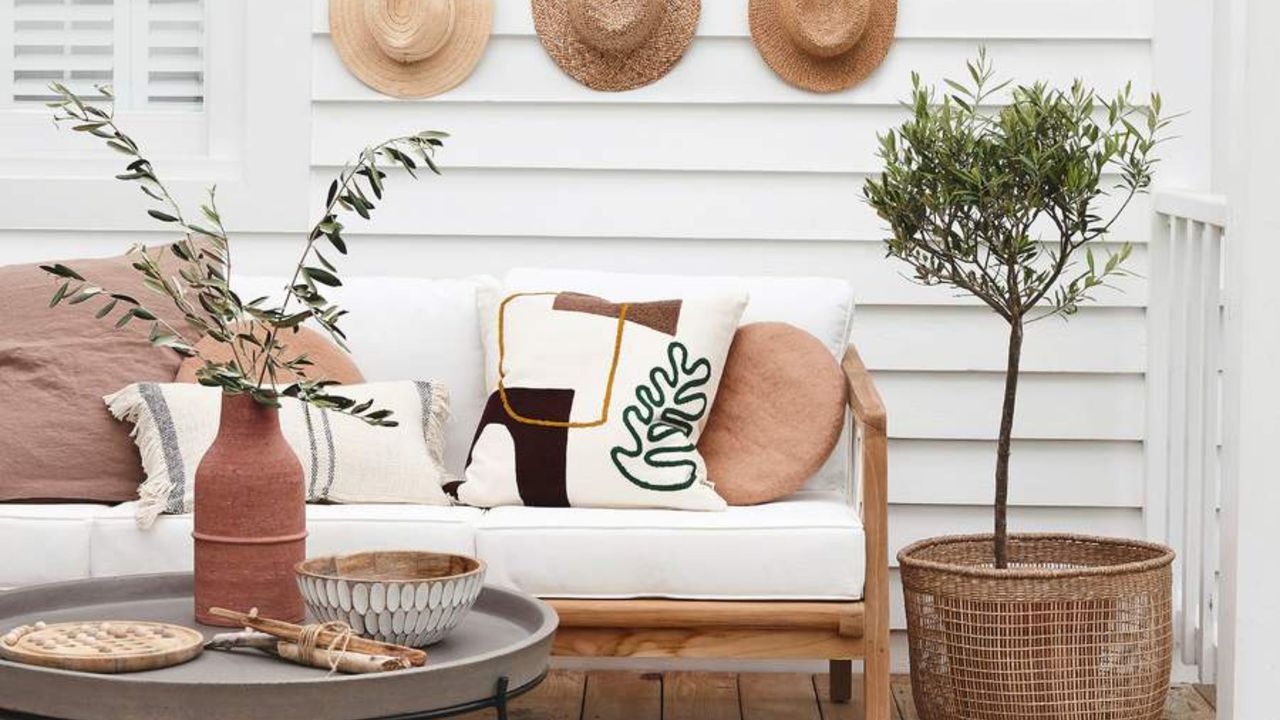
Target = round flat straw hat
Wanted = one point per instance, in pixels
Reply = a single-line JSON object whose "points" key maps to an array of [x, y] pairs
{"points": [[410, 48], [616, 44], [823, 45]]}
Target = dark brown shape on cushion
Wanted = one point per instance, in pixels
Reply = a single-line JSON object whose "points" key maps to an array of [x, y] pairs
{"points": [[660, 315], [329, 362], [777, 415], [57, 440], [541, 451]]}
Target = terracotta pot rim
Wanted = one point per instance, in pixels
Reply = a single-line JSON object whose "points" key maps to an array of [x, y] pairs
{"points": [[1163, 556], [302, 568]]}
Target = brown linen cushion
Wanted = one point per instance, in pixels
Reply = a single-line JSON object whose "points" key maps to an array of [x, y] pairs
{"points": [[57, 440], [330, 362], [777, 417]]}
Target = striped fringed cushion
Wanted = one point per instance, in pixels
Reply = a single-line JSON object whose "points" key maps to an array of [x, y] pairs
{"points": [[344, 459]]}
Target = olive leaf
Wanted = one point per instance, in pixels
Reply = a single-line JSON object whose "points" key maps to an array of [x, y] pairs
{"points": [[200, 288], [998, 199]]}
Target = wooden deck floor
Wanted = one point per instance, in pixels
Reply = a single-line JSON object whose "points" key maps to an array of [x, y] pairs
{"points": [[569, 695]]}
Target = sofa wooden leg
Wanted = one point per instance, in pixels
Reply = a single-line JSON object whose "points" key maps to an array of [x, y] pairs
{"points": [[876, 697], [841, 672]]}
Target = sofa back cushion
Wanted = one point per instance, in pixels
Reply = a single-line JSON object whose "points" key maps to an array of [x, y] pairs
{"points": [[402, 327], [823, 307]]}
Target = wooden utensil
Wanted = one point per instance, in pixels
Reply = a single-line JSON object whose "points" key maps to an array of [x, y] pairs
{"points": [[343, 661], [293, 633], [102, 647]]}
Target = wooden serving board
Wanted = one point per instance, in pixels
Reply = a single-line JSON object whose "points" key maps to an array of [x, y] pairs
{"points": [[102, 647]]}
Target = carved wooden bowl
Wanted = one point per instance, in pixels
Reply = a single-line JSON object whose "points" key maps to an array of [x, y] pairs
{"points": [[403, 597]]}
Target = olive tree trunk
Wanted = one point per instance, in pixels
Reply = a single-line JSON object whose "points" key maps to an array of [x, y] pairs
{"points": [[1002, 447]]}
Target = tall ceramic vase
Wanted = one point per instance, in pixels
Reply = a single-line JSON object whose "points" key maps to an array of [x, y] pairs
{"points": [[250, 517]]}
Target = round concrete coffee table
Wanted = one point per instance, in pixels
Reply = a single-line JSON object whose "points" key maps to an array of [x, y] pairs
{"points": [[500, 650]]}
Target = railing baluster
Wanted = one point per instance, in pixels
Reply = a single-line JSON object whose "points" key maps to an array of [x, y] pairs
{"points": [[1184, 406], [1210, 464], [1193, 449]]}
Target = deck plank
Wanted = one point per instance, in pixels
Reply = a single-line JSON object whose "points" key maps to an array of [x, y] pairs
{"points": [[778, 696], [570, 695], [622, 696], [851, 710], [1184, 703], [559, 697], [901, 690], [700, 696], [1209, 693]]}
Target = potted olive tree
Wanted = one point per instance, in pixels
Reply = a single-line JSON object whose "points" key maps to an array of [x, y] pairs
{"points": [[1003, 201], [250, 523]]}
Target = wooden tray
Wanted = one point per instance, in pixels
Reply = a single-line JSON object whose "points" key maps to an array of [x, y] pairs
{"points": [[104, 647]]}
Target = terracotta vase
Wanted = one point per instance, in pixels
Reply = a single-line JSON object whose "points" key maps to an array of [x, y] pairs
{"points": [[250, 517]]}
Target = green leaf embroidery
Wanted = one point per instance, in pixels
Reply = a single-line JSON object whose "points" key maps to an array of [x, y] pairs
{"points": [[662, 455]]}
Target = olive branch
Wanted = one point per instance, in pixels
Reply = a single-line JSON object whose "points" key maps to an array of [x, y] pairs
{"points": [[254, 331]]}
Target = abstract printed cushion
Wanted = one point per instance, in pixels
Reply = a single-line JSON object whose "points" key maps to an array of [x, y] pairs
{"points": [[596, 403], [343, 459]]}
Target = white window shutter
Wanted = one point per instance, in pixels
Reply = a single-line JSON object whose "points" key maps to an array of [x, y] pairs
{"points": [[175, 54], [67, 41], [150, 51]]}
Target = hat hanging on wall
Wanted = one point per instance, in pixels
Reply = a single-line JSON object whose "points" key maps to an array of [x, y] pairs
{"points": [[410, 48], [823, 45], [616, 44]]}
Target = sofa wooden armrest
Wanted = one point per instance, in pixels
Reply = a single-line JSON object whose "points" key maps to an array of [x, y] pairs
{"points": [[839, 631], [870, 425]]}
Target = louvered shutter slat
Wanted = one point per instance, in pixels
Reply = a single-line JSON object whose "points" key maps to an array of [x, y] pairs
{"points": [[175, 55], [75, 42]]}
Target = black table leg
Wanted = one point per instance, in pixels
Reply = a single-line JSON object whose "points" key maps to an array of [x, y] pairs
{"points": [[500, 699]]}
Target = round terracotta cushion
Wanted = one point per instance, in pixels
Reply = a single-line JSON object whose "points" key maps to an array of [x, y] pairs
{"points": [[330, 362], [777, 415]]}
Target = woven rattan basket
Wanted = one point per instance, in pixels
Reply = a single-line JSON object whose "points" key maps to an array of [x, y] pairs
{"points": [[1077, 627]]}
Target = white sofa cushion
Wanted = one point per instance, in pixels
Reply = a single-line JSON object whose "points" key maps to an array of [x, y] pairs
{"points": [[121, 548], [807, 547], [820, 306], [44, 543], [404, 328]]}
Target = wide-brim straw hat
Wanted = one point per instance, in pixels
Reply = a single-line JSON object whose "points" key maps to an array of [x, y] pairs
{"points": [[616, 44], [410, 48], [823, 45]]}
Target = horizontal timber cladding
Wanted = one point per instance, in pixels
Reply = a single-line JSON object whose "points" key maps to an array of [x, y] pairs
{"points": [[729, 169], [721, 168]]}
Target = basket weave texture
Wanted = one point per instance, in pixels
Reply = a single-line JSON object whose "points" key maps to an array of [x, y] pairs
{"points": [[1076, 627]]}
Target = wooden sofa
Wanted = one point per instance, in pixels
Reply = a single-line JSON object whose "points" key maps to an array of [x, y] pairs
{"points": [[838, 631]]}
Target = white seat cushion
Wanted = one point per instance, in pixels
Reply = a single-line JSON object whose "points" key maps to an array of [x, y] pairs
{"points": [[806, 547], [44, 543], [121, 548]]}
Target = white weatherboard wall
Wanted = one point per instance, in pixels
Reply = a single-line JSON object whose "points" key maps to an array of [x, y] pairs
{"points": [[722, 168]]}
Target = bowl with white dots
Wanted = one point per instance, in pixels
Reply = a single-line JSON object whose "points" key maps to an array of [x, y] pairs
{"points": [[403, 597]]}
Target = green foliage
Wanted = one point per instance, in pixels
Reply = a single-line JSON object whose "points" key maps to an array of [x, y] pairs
{"points": [[255, 331], [662, 454], [998, 202]]}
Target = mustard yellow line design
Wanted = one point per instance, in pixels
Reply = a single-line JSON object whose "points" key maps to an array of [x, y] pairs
{"points": [[502, 372]]}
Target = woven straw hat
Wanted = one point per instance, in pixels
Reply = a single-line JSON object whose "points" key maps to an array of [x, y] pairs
{"points": [[616, 44], [823, 45], [410, 48]]}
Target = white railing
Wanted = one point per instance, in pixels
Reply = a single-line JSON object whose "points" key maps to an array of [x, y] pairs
{"points": [[1184, 391]]}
